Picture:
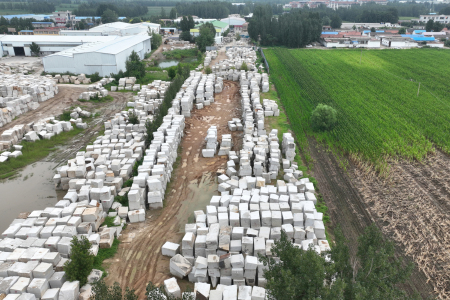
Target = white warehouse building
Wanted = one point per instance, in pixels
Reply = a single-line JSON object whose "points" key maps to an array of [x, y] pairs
{"points": [[116, 28], [19, 45], [102, 57]]}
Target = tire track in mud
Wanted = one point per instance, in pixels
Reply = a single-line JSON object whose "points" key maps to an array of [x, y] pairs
{"points": [[138, 259]]}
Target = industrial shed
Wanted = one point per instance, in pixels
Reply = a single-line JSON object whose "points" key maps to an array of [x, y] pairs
{"points": [[19, 45], [116, 28], [102, 57]]}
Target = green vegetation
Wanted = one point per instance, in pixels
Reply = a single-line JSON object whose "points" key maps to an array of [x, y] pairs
{"points": [[122, 199], [35, 49], [81, 260], [133, 118], [179, 54], [98, 99], [323, 117], [156, 40], [109, 221], [206, 36], [35, 151], [105, 253], [101, 291], [299, 274], [382, 112], [134, 66]]}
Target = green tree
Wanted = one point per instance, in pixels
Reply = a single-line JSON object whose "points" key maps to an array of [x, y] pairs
{"points": [[299, 274], [186, 36], [429, 26], [379, 271], [354, 27], [35, 49], [81, 260], [135, 20], [402, 30], [157, 293], [109, 16], [238, 36], [372, 29], [244, 66], [336, 21], [206, 36], [323, 117], [134, 66], [156, 40], [208, 70], [101, 291], [163, 13], [173, 13], [326, 21], [172, 72], [133, 118]]}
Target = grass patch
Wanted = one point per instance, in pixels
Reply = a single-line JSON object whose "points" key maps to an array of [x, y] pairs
{"points": [[181, 53], [122, 199], [109, 221], [98, 99], [105, 253], [65, 116], [155, 75], [35, 151]]}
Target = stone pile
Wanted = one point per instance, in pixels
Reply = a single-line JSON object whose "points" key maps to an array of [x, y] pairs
{"points": [[79, 79], [235, 125], [42, 129], [127, 83], [235, 57], [22, 93], [149, 98], [211, 142], [178, 42], [13, 68], [209, 56], [93, 94], [225, 147], [35, 249], [220, 250]]}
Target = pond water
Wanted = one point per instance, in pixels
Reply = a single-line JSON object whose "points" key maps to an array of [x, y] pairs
{"points": [[32, 189], [167, 63]]}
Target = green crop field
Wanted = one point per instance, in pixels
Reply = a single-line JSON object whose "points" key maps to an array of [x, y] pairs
{"points": [[375, 93]]}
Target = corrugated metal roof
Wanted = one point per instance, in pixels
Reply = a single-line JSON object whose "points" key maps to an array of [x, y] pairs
{"points": [[26, 31], [110, 47], [419, 38], [41, 22], [55, 39]]}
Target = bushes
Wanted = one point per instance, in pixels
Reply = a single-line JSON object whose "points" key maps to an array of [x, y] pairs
{"points": [[81, 261], [208, 70], [244, 67], [95, 77], [133, 117], [323, 117]]}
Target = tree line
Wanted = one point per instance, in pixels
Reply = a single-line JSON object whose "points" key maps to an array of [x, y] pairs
{"points": [[128, 9], [36, 8], [295, 29], [17, 23]]}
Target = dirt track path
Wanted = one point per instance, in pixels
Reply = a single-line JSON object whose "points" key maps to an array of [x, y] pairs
{"points": [[138, 259]]}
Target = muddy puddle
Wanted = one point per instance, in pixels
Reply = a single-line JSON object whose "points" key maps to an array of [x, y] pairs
{"points": [[199, 196], [32, 189]]}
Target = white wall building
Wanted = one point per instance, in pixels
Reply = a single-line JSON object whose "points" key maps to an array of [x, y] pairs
{"points": [[436, 18], [397, 42], [102, 57], [116, 28], [19, 45]]}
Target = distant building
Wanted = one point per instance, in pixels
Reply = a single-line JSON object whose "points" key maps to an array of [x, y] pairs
{"points": [[42, 24], [116, 28], [63, 17], [445, 19], [26, 32], [47, 31]]}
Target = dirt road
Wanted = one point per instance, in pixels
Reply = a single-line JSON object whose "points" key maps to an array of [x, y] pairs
{"points": [[138, 259]]}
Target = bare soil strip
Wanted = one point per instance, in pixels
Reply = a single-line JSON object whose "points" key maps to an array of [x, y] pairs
{"points": [[410, 209], [138, 259]]}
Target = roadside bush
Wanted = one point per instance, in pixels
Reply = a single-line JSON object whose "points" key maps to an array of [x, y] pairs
{"points": [[101, 291], [208, 70], [244, 67], [81, 261], [95, 77], [172, 72], [323, 117], [133, 117]]}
